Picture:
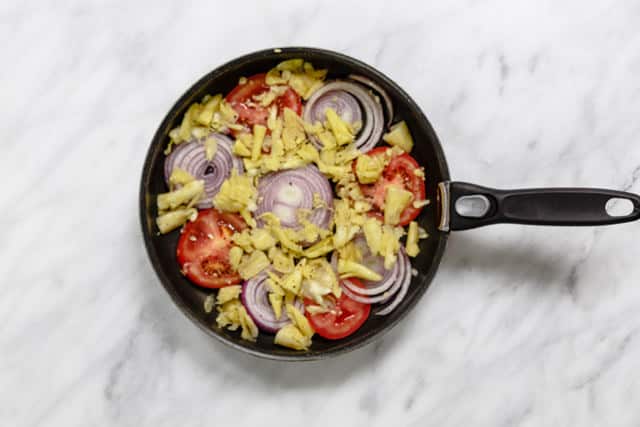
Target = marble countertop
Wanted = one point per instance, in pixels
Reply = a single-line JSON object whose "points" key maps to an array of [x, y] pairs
{"points": [[522, 326]]}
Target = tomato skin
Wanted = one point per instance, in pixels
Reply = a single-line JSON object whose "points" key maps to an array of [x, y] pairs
{"points": [[399, 171], [290, 99], [345, 318], [203, 249], [377, 151], [250, 115]]}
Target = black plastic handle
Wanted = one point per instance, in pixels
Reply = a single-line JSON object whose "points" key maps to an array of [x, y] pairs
{"points": [[471, 206]]}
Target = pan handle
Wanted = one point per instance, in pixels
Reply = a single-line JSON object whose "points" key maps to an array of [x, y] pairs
{"points": [[463, 206]]}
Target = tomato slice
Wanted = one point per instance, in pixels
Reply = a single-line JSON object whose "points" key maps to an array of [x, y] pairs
{"points": [[400, 172], [203, 249], [345, 317], [249, 110]]}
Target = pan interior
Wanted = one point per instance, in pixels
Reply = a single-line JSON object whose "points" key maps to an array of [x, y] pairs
{"points": [[161, 249]]}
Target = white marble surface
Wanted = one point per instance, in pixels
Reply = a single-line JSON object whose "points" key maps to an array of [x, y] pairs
{"points": [[521, 327]]}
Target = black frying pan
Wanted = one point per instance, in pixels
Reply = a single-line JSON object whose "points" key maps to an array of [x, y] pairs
{"points": [[457, 206]]}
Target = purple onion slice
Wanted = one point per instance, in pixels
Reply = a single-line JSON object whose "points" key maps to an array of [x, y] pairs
{"points": [[396, 283], [374, 263], [342, 102], [380, 291], [284, 192], [381, 92], [255, 298], [389, 277], [191, 156], [339, 94], [404, 288]]}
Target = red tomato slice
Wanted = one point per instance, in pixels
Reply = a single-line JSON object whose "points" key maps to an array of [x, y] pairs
{"points": [[400, 172], [203, 249], [345, 317], [250, 112]]}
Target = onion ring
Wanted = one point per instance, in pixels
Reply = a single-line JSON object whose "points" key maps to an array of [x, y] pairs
{"points": [[395, 284], [379, 287], [191, 156], [403, 265], [255, 298], [372, 113], [406, 281], [374, 263], [341, 101], [378, 89], [284, 192]]}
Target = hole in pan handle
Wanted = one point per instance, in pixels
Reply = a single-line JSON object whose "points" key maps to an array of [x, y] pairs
{"points": [[463, 205]]}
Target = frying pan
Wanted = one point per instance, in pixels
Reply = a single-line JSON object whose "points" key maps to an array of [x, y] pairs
{"points": [[456, 205]]}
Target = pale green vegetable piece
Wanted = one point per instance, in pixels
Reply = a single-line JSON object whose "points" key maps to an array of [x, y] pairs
{"points": [[235, 255], [339, 127], [412, 240], [396, 199], [276, 304], [262, 239], [174, 219], [259, 132], [210, 147], [399, 136], [369, 168], [348, 268], [291, 64], [182, 196], [180, 177], [290, 336], [292, 281], [253, 264], [228, 293], [299, 320], [209, 302], [249, 328]]}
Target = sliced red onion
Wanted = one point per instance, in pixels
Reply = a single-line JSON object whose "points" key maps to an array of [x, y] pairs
{"points": [[255, 298], [342, 102], [406, 281], [191, 156], [384, 289], [378, 89], [395, 285], [284, 192], [374, 263], [376, 288], [340, 93]]}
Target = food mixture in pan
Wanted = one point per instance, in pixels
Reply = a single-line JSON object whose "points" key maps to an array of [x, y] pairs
{"points": [[296, 198]]}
